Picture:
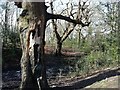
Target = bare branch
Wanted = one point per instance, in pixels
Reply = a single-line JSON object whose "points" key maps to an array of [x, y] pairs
{"points": [[67, 34], [54, 24], [57, 16]]}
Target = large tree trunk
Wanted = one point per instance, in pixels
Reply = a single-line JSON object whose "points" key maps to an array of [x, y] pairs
{"points": [[33, 23], [32, 33], [28, 80]]}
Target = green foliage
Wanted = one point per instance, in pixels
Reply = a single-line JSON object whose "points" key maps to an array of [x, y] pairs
{"points": [[101, 52], [70, 43], [11, 49], [10, 39], [14, 40]]}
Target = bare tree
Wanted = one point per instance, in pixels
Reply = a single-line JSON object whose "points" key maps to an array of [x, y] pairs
{"points": [[5, 30], [80, 14], [32, 23]]}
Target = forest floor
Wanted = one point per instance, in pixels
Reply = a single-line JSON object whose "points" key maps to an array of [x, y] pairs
{"points": [[57, 68]]}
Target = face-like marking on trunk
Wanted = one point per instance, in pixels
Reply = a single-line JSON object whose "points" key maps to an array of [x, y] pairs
{"points": [[30, 36], [34, 34], [32, 42]]}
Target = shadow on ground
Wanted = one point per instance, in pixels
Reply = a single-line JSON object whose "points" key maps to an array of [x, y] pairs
{"points": [[82, 83], [88, 81]]}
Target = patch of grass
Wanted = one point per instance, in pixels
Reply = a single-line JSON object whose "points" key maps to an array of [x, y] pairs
{"points": [[96, 60]]}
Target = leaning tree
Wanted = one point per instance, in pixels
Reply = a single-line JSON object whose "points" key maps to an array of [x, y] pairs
{"points": [[32, 25]]}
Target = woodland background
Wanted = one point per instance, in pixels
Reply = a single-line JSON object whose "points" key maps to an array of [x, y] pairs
{"points": [[84, 49]]}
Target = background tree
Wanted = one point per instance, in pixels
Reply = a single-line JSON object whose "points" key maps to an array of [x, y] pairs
{"points": [[9, 33], [110, 16], [78, 12]]}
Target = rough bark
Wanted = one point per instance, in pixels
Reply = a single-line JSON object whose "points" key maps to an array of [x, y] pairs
{"points": [[32, 23], [28, 80]]}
